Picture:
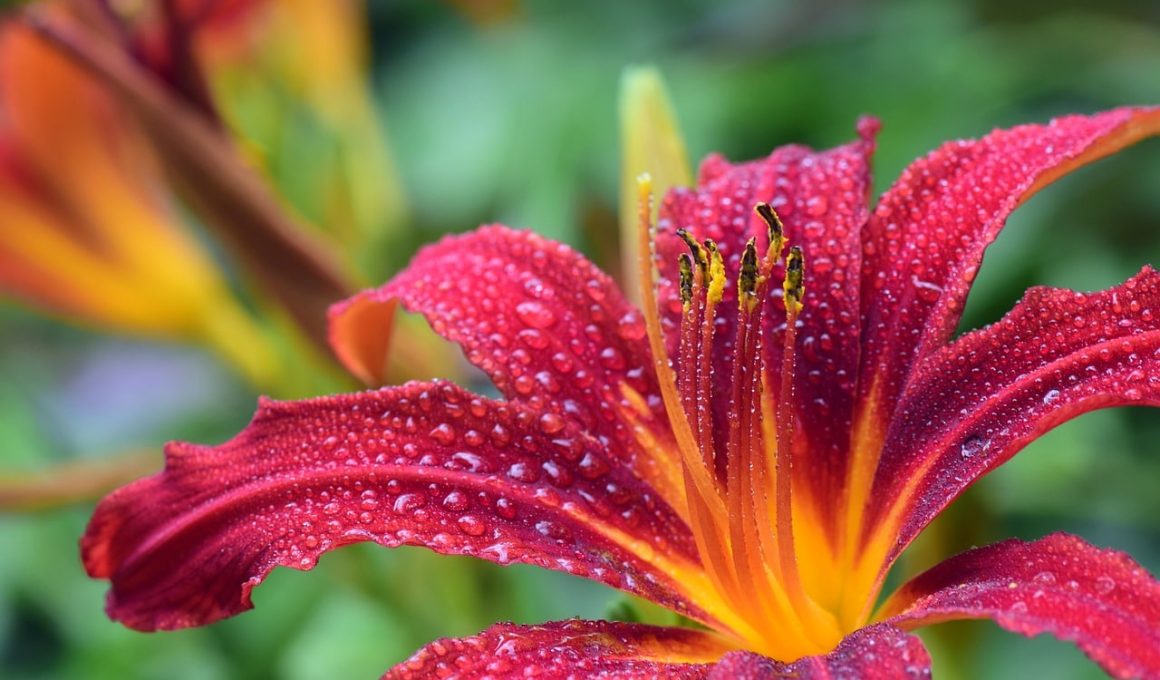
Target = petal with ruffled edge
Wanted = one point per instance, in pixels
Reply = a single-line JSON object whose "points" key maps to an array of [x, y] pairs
{"points": [[422, 464], [822, 199], [972, 405], [925, 240], [582, 649], [1100, 599], [549, 328]]}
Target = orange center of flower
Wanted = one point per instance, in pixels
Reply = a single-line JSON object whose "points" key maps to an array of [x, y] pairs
{"points": [[737, 474]]}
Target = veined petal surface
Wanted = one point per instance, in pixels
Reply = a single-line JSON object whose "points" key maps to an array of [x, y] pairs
{"points": [[550, 329], [972, 405], [925, 240], [1100, 599], [423, 464]]}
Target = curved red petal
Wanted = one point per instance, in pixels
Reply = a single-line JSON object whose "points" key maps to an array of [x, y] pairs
{"points": [[822, 199], [574, 649], [1100, 599], [566, 649], [925, 240], [877, 652], [423, 464], [972, 405], [550, 329]]}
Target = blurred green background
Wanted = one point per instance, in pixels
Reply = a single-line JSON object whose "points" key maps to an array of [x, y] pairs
{"points": [[514, 119]]}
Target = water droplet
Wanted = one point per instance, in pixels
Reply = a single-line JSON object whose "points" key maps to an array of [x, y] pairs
{"points": [[500, 436], [632, 326], [817, 205], [550, 423], [533, 338], [535, 314], [456, 501], [927, 292], [612, 359], [973, 445], [522, 472], [1104, 585], [592, 466], [471, 525], [408, 502], [505, 508], [443, 433], [1051, 396]]}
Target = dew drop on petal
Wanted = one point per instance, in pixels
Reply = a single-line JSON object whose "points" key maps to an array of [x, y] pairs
{"points": [[471, 525], [551, 423], [535, 314], [973, 445], [1104, 585]]}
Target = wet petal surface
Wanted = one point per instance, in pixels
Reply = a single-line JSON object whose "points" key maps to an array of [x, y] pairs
{"points": [[1100, 599], [424, 464], [972, 405]]}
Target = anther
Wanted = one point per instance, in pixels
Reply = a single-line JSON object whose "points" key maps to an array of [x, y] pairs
{"points": [[716, 284], [747, 280], [698, 252], [685, 262], [794, 280], [775, 228]]}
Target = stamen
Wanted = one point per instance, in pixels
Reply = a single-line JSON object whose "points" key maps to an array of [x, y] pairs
{"points": [[696, 251], [745, 467], [794, 290], [706, 509], [775, 230], [716, 273], [747, 280], [794, 281], [685, 264]]}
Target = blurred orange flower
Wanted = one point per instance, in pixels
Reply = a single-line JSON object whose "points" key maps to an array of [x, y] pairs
{"points": [[87, 231]]}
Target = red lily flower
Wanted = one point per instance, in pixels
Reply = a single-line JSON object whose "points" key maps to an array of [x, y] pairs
{"points": [[753, 456]]}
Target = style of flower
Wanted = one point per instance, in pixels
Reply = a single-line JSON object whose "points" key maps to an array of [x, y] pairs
{"points": [[752, 450]]}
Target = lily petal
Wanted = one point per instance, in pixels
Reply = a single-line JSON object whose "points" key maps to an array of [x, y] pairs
{"points": [[972, 405], [925, 241], [567, 649], [570, 649], [822, 199], [1100, 599], [877, 652], [423, 464], [549, 328]]}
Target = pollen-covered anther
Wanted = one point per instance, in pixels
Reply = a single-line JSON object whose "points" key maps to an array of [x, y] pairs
{"points": [[716, 281], [794, 280], [685, 264], [774, 229], [696, 251], [749, 278]]}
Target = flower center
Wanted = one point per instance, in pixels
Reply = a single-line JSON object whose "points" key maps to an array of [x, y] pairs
{"points": [[737, 473]]}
